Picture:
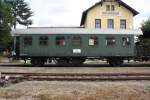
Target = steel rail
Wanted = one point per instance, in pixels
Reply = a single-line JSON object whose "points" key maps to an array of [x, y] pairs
{"points": [[77, 76], [81, 79]]}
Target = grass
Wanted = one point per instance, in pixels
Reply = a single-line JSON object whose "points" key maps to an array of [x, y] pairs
{"points": [[43, 97], [11, 94], [58, 97], [115, 93], [110, 94], [3, 58]]}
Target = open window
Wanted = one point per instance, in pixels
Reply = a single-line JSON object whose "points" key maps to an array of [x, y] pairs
{"points": [[43, 40], [93, 41], [27, 40], [60, 41], [110, 41], [126, 41], [77, 40]]}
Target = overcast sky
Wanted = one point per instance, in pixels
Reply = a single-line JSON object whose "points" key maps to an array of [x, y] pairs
{"points": [[69, 12]]}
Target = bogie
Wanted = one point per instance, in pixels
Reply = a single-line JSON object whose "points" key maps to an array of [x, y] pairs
{"points": [[69, 61], [37, 62], [115, 62]]}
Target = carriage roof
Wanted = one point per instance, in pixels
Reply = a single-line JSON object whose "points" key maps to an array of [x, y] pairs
{"points": [[58, 30]]}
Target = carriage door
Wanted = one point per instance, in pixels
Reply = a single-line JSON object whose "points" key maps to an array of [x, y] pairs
{"points": [[17, 45], [76, 42]]}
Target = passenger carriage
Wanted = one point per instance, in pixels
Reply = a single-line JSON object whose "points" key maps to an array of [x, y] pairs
{"points": [[74, 45]]}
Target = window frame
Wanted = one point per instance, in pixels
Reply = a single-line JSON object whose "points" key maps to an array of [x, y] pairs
{"points": [[60, 41], [125, 42], [107, 7], [112, 7], [96, 41], [110, 23], [43, 40], [27, 40], [76, 40], [123, 26], [97, 23], [110, 41]]}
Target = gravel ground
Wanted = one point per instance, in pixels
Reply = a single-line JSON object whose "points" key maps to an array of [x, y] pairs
{"points": [[54, 90], [124, 90], [76, 69], [89, 67]]}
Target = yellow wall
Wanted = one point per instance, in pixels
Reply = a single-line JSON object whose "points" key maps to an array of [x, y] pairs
{"points": [[97, 13]]}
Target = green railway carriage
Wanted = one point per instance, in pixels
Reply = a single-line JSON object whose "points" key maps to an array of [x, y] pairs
{"points": [[74, 45]]}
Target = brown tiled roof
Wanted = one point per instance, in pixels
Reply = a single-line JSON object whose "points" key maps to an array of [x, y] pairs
{"points": [[84, 14]]}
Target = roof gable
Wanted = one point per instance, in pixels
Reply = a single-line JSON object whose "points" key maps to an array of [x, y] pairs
{"points": [[84, 14]]}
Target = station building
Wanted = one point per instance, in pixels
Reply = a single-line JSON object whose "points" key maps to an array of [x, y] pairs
{"points": [[109, 14]]}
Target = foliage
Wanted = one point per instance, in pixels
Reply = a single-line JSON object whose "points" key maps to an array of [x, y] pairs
{"points": [[11, 13], [21, 12], [6, 21], [146, 25]]}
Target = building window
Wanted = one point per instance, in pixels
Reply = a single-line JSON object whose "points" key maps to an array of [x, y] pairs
{"points": [[27, 40], [110, 41], [110, 23], [43, 40], [97, 23], [126, 41], [112, 7], [93, 41], [76, 40], [123, 24], [60, 41], [107, 7]]}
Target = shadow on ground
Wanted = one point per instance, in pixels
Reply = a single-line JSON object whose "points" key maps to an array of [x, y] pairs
{"points": [[83, 65]]}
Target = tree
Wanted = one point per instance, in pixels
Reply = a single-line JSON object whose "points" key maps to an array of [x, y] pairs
{"points": [[146, 26], [21, 12], [6, 21]]}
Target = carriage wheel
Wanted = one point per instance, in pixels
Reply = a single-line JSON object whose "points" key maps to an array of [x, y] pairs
{"points": [[77, 61], [115, 62], [37, 62], [61, 61]]}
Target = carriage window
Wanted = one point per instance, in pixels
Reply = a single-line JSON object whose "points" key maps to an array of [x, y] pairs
{"points": [[110, 41], [43, 40], [93, 41], [76, 40], [27, 40], [126, 41], [60, 41]]}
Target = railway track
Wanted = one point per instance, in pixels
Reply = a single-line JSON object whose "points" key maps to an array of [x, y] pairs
{"points": [[76, 76]]}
